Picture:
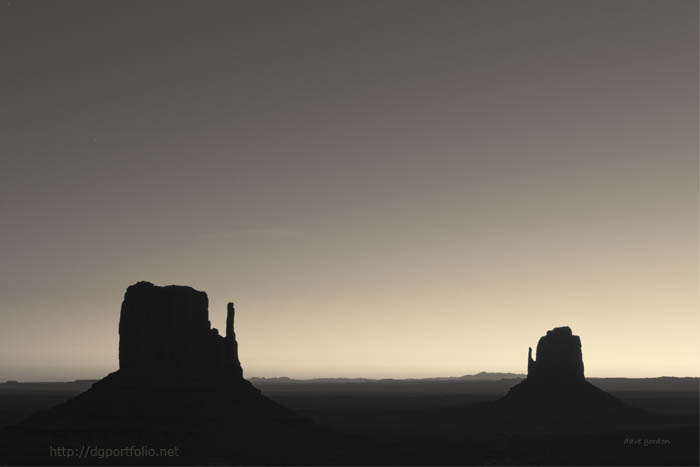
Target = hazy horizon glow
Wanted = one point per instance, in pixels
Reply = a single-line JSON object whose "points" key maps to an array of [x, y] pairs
{"points": [[384, 189]]}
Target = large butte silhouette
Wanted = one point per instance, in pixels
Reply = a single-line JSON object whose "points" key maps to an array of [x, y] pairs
{"points": [[556, 385], [179, 384]]}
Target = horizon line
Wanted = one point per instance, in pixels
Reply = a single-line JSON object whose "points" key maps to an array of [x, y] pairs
{"points": [[315, 378]]}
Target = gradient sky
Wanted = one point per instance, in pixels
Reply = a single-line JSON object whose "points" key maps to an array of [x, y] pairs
{"points": [[385, 189]]}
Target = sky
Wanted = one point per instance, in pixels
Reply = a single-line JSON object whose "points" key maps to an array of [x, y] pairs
{"points": [[384, 188]]}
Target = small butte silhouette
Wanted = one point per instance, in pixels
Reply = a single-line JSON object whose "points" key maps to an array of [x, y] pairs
{"points": [[180, 385], [556, 387]]}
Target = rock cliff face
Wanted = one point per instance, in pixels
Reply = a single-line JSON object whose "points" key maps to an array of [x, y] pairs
{"points": [[167, 329], [558, 356]]}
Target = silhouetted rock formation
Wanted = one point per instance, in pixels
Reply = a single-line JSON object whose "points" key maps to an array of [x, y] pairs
{"points": [[555, 384], [179, 384], [558, 356], [167, 329]]}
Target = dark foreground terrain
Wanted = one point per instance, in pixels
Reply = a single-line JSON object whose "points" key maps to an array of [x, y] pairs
{"points": [[448, 422]]}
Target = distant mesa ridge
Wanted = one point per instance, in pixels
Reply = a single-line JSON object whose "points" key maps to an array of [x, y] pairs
{"points": [[481, 376]]}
